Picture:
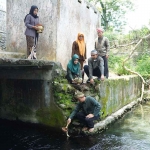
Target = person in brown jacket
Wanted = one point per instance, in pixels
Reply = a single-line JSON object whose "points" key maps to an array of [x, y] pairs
{"points": [[79, 48]]}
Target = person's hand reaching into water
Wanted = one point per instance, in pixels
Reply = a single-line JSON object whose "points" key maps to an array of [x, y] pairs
{"points": [[68, 121]]}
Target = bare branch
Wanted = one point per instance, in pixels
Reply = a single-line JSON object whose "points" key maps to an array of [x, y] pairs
{"points": [[133, 50], [115, 46]]}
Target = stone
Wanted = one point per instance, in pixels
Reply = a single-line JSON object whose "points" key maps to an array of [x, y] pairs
{"points": [[84, 88], [97, 98], [63, 106], [78, 80]]}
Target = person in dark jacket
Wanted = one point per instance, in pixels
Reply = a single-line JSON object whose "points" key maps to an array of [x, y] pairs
{"points": [[95, 67], [73, 69], [87, 110], [31, 20]]}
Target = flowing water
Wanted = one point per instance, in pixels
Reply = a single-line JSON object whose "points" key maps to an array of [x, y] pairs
{"points": [[132, 132]]}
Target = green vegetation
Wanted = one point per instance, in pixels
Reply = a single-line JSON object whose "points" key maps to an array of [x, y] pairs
{"points": [[113, 12], [143, 64], [116, 66], [50, 116], [133, 35], [64, 93], [140, 60], [136, 34]]}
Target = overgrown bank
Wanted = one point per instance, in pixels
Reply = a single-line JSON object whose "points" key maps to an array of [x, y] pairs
{"points": [[112, 94]]}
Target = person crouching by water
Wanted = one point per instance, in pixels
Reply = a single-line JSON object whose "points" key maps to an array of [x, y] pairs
{"points": [[95, 67], [31, 20], [73, 69], [86, 111]]}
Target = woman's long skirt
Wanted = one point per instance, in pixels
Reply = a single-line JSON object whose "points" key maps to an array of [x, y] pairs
{"points": [[30, 44]]}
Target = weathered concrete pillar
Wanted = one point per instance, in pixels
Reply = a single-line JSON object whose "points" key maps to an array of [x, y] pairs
{"points": [[3, 34], [2, 25], [26, 92]]}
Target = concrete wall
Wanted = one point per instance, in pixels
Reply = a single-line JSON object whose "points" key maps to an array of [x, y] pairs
{"points": [[16, 41], [62, 19], [113, 93], [2, 25], [26, 92], [29, 92], [118, 92], [74, 17]]}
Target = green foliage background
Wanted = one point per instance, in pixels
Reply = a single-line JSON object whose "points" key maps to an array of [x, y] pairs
{"points": [[139, 63]]}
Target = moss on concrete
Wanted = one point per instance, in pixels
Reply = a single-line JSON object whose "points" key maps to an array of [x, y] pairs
{"points": [[64, 93], [13, 110], [50, 116], [116, 93], [112, 94]]}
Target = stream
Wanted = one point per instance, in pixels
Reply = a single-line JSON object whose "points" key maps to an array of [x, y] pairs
{"points": [[131, 132]]}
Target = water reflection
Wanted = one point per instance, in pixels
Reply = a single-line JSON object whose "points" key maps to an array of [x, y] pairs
{"points": [[132, 132]]}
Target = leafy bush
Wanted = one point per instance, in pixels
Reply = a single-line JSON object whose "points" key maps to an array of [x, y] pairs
{"points": [[138, 33], [143, 64], [140, 62], [111, 35], [133, 35], [116, 66]]}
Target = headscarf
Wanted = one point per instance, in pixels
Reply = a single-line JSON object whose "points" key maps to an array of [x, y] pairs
{"points": [[74, 68], [32, 12], [81, 44], [100, 30]]}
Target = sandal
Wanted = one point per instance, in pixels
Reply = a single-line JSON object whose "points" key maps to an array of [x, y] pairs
{"points": [[84, 128], [91, 129]]}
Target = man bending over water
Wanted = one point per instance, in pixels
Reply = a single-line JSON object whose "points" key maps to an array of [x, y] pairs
{"points": [[86, 111]]}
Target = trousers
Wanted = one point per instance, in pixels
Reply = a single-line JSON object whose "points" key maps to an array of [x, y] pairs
{"points": [[88, 122]]}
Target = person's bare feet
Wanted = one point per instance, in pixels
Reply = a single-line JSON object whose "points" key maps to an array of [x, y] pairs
{"points": [[91, 129], [84, 128]]}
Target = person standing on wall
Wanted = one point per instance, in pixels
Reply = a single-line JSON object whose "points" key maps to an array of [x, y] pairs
{"points": [[79, 48], [31, 20], [102, 46]]}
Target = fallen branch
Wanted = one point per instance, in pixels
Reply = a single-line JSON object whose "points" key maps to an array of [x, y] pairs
{"points": [[115, 46], [133, 50]]}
